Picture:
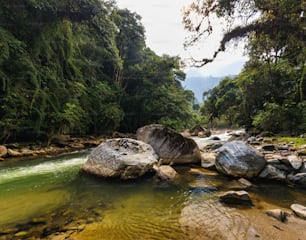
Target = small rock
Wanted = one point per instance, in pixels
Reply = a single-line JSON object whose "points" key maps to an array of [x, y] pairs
{"points": [[194, 131], [203, 171], [268, 147], [186, 134], [299, 210], [204, 133], [271, 172], [201, 135], [26, 151], [285, 168], [295, 161], [245, 182], [303, 168], [270, 156], [207, 164], [299, 178], [13, 153], [283, 147], [213, 146], [238, 137], [236, 197], [278, 214], [165, 173], [273, 161], [251, 140], [3, 151], [208, 160]]}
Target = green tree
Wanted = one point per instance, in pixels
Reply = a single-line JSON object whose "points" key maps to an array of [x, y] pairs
{"points": [[273, 80]]}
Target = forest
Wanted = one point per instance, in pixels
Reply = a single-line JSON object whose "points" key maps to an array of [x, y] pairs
{"points": [[82, 67], [270, 92]]}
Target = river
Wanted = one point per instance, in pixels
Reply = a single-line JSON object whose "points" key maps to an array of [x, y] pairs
{"points": [[50, 199]]}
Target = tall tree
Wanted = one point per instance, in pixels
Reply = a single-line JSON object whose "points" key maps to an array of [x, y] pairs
{"points": [[272, 82]]}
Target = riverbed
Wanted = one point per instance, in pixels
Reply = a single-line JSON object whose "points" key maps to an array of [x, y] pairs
{"points": [[50, 199]]}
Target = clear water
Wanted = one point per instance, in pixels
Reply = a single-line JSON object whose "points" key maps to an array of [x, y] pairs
{"points": [[50, 199]]}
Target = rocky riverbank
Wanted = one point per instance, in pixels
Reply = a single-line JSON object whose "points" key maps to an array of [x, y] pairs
{"points": [[60, 144], [284, 162], [223, 197]]}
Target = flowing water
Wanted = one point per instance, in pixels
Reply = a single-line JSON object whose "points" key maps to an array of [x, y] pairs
{"points": [[50, 199]]}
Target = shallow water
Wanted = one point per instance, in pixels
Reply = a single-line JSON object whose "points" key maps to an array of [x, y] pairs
{"points": [[49, 199]]}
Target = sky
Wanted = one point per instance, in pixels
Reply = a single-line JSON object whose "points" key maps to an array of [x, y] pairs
{"points": [[165, 34]]}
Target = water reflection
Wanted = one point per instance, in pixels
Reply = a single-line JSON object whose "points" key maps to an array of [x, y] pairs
{"points": [[51, 199]]}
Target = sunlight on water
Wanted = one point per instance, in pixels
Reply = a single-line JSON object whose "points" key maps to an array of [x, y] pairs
{"points": [[30, 188], [42, 168]]}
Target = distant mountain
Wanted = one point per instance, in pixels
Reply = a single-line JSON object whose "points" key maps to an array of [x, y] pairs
{"points": [[200, 84]]}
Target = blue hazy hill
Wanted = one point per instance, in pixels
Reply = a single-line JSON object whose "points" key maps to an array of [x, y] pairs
{"points": [[200, 84]]}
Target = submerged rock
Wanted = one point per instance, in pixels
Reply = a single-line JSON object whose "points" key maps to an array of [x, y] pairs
{"points": [[236, 197], [278, 214], [245, 183], [165, 173], [123, 158], [169, 145], [239, 160], [299, 210]]}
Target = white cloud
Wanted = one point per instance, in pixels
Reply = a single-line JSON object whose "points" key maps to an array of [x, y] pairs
{"points": [[165, 34]]}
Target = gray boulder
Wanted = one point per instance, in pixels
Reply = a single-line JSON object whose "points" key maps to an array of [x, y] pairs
{"points": [[239, 160], [169, 145], [123, 158], [272, 172]]}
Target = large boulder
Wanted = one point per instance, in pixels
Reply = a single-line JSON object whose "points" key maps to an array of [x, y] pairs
{"points": [[169, 145], [239, 160], [123, 158]]}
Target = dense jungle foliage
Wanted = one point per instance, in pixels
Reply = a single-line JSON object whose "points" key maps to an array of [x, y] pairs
{"points": [[270, 92], [82, 67]]}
